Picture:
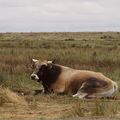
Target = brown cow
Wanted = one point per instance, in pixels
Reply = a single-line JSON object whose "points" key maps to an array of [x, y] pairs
{"points": [[81, 83]]}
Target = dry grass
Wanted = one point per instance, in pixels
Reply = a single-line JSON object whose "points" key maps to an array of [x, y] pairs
{"points": [[53, 107], [7, 96], [92, 51]]}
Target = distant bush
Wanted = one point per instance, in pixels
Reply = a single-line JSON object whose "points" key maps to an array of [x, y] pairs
{"points": [[106, 37]]}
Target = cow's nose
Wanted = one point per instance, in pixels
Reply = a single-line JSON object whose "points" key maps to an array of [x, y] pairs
{"points": [[32, 77]]}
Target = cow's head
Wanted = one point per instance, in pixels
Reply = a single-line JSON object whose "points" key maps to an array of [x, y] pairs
{"points": [[40, 68]]}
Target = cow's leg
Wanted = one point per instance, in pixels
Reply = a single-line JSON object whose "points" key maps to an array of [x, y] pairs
{"points": [[91, 96], [75, 95], [80, 95], [86, 91], [41, 91], [36, 92], [61, 93]]}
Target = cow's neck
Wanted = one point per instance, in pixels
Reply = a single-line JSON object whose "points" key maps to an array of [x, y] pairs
{"points": [[51, 75]]}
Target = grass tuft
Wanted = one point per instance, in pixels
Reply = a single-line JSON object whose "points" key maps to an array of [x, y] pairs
{"points": [[7, 96]]}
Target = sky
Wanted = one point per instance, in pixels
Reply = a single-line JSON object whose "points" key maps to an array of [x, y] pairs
{"points": [[59, 15]]}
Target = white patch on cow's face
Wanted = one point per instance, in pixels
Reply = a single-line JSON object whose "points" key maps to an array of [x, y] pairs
{"points": [[34, 77]]}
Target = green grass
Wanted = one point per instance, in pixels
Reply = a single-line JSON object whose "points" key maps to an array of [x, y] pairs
{"points": [[91, 51]]}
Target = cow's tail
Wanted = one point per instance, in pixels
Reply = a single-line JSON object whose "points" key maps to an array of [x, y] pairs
{"points": [[115, 86], [111, 91]]}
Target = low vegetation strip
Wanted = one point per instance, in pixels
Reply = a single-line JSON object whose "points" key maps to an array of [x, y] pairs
{"points": [[91, 51]]}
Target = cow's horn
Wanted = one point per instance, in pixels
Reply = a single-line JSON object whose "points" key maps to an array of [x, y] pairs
{"points": [[49, 62], [34, 60]]}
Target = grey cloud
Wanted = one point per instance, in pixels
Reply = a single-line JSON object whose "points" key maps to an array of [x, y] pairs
{"points": [[55, 15]]}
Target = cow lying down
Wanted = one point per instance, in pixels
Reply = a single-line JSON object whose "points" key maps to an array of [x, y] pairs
{"points": [[81, 83]]}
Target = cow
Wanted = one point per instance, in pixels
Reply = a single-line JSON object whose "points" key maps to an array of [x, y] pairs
{"points": [[80, 83]]}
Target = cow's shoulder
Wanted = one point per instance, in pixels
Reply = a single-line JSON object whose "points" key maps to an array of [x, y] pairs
{"points": [[53, 74]]}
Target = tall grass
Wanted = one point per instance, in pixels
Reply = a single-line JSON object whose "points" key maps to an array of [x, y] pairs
{"points": [[92, 51]]}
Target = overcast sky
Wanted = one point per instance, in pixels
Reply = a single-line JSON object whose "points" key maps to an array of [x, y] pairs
{"points": [[59, 15]]}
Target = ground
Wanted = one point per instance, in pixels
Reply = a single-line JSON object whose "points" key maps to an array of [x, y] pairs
{"points": [[92, 51]]}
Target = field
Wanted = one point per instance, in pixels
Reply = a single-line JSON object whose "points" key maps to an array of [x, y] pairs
{"points": [[92, 51]]}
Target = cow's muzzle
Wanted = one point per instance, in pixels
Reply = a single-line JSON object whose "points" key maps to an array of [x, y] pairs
{"points": [[34, 77]]}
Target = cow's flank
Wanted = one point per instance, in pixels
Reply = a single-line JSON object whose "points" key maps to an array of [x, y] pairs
{"points": [[81, 83], [92, 84]]}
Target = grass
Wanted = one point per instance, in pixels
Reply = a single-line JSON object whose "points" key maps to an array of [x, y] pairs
{"points": [[8, 96], [91, 51]]}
